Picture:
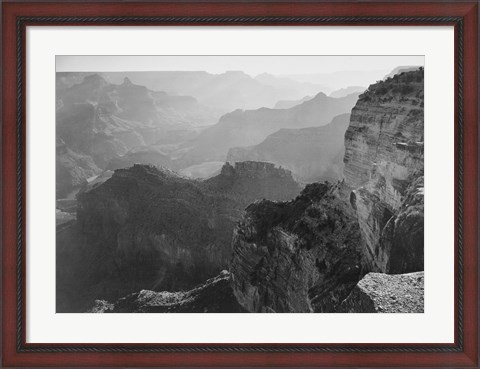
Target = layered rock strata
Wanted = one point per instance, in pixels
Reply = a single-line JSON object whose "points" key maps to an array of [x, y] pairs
{"points": [[383, 160]]}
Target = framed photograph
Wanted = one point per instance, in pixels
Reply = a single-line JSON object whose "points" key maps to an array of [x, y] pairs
{"points": [[240, 184]]}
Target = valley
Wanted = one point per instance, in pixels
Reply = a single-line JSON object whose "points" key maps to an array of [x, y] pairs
{"points": [[198, 192]]}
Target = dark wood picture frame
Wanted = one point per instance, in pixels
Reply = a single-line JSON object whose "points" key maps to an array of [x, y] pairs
{"points": [[18, 15]]}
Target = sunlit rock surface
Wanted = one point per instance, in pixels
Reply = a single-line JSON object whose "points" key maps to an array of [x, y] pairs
{"points": [[383, 159], [213, 296], [387, 293]]}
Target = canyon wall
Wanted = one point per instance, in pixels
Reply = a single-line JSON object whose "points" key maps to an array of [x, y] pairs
{"points": [[383, 160], [308, 254]]}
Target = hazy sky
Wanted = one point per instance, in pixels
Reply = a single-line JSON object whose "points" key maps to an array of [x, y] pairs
{"points": [[252, 65]]}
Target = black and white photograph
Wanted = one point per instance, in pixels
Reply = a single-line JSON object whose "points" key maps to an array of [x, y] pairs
{"points": [[239, 184]]}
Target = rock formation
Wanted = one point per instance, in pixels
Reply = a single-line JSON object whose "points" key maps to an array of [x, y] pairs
{"points": [[306, 255], [146, 228], [251, 180], [312, 154], [297, 256], [352, 246], [384, 293], [213, 296], [384, 167]]}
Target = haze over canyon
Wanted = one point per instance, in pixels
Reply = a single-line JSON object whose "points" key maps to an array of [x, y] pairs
{"points": [[189, 191]]}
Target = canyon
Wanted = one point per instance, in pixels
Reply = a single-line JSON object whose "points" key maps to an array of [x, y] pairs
{"points": [[307, 255], [317, 207], [242, 128], [313, 154], [147, 227]]}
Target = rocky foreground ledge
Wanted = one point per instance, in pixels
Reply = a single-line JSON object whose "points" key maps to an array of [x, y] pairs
{"points": [[214, 296], [386, 293], [375, 293]]}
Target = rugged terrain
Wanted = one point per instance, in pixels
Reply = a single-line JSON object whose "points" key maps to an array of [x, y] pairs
{"points": [[223, 92], [214, 296], [251, 127], [384, 167], [312, 154], [308, 254], [146, 228], [354, 244], [98, 122], [386, 293], [297, 256]]}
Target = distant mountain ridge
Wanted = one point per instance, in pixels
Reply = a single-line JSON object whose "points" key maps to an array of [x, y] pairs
{"points": [[402, 69], [250, 127], [287, 104], [97, 121], [225, 91], [312, 154], [347, 91]]}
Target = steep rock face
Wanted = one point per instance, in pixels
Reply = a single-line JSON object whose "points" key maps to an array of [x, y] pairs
{"points": [[400, 248], [308, 254], [297, 256], [385, 135], [312, 154], [213, 296], [146, 228], [383, 157], [383, 293]]}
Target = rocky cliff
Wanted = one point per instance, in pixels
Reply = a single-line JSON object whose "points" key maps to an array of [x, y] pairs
{"points": [[146, 228], [308, 254], [313, 154], [298, 256], [383, 160]]}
